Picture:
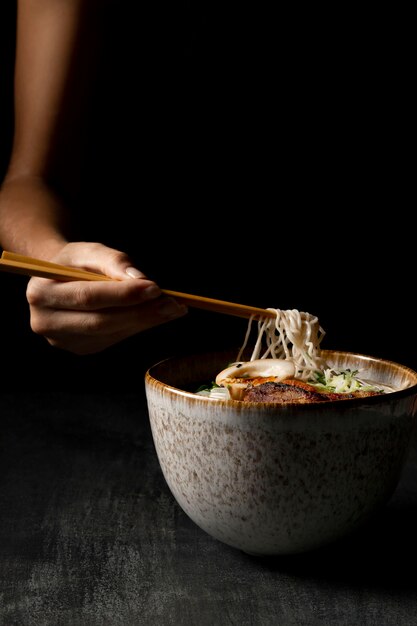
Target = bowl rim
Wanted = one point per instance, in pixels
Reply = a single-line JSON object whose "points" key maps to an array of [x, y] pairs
{"points": [[400, 393]]}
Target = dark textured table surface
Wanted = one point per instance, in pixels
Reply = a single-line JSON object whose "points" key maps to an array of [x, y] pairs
{"points": [[91, 535]]}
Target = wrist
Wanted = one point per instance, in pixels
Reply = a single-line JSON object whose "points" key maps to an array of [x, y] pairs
{"points": [[31, 218]]}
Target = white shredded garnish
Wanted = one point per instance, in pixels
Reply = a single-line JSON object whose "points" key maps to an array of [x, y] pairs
{"points": [[345, 381], [216, 393]]}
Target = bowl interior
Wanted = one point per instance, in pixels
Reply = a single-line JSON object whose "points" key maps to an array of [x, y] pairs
{"points": [[280, 480], [188, 372]]}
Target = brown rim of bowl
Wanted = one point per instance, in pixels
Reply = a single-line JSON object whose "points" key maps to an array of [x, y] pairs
{"points": [[367, 400]]}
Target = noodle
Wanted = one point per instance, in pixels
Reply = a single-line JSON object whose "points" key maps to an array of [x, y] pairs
{"points": [[292, 335], [287, 366]]}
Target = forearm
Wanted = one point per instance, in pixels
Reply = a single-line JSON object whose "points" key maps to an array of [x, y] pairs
{"points": [[51, 57], [32, 218]]}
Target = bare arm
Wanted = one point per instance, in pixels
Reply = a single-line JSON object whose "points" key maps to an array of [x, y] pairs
{"points": [[81, 317], [31, 215]]}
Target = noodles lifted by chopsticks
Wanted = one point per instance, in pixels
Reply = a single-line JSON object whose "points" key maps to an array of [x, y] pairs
{"points": [[292, 335]]}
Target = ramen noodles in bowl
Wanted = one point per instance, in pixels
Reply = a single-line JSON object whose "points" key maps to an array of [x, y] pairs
{"points": [[272, 477]]}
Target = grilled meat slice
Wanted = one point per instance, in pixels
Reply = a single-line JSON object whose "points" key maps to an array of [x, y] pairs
{"points": [[295, 391], [281, 393], [330, 395]]}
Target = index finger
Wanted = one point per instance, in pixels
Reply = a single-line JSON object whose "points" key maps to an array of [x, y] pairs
{"points": [[90, 295]]}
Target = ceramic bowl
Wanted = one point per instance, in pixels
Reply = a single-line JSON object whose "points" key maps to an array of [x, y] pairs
{"points": [[271, 479]]}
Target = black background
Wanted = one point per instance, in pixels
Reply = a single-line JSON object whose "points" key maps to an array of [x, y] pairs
{"points": [[251, 157]]}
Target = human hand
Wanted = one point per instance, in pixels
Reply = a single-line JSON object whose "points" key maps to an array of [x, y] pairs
{"points": [[88, 316]]}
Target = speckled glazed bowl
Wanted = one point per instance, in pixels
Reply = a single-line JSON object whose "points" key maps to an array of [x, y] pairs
{"points": [[271, 479]]}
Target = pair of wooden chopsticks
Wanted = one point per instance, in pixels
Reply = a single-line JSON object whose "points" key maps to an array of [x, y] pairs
{"points": [[29, 266]]}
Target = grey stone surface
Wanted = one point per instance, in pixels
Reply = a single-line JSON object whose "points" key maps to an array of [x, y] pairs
{"points": [[90, 535]]}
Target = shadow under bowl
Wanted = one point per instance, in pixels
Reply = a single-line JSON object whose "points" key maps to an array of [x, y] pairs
{"points": [[271, 479]]}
